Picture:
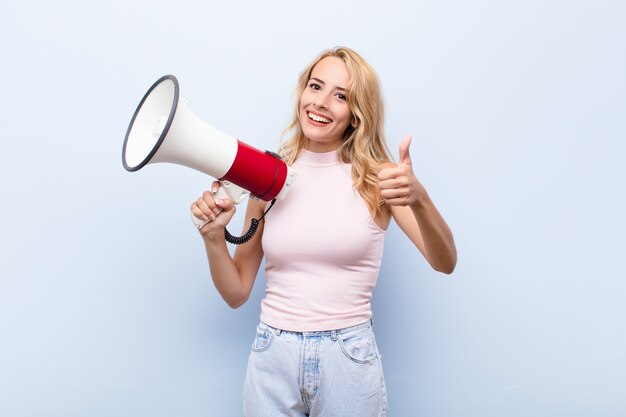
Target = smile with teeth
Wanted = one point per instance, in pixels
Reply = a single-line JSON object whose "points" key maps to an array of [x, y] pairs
{"points": [[317, 118]]}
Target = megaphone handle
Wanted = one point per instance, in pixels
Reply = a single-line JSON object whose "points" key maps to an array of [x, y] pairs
{"points": [[226, 190]]}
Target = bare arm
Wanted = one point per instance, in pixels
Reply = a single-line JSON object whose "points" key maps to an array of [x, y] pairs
{"points": [[423, 224], [416, 214], [233, 277]]}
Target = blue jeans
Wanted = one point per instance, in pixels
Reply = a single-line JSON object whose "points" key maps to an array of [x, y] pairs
{"points": [[334, 373]]}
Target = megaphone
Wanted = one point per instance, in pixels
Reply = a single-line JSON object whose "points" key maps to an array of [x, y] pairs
{"points": [[164, 129]]}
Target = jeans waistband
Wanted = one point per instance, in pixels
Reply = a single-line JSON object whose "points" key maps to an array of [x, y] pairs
{"points": [[317, 333]]}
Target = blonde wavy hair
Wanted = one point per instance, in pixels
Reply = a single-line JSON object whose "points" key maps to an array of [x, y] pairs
{"points": [[363, 146]]}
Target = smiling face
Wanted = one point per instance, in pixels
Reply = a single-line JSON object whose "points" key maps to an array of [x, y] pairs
{"points": [[323, 111]]}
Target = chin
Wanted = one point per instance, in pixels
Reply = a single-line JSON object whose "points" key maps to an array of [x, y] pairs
{"points": [[312, 133], [316, 137]]}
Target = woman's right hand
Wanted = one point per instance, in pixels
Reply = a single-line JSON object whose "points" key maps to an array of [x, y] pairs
{"points": [[217, 212]]}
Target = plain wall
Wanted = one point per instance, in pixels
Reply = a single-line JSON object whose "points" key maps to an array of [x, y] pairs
{"points": [[517, 109]]}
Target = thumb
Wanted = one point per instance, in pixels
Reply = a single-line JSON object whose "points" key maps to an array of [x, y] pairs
{"points": [[405, 157], [227, 208], [225, 204]]}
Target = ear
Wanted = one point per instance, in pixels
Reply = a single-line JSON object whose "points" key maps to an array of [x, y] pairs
{"points": [[354, 123]]}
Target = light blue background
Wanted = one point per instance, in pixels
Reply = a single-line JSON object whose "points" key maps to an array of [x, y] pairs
{"points": [[518, 114]]}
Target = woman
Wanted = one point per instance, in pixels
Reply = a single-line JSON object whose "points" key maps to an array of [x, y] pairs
{"points": [[314, 353]]}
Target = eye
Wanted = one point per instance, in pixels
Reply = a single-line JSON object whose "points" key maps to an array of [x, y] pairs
{"points": [[342, 97], [314, 86]]}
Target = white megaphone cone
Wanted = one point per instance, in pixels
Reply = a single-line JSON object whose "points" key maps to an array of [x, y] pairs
{"points": [[164, 129]]}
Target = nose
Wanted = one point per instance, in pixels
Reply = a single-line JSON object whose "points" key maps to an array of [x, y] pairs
{"points": [[321, 101]]}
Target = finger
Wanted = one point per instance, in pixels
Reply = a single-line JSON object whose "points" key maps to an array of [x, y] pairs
{"points": [[195, 210], [208, 198], [405, 157], [228, 210], [389, 173], [206, 210], [225, 204], [207, 205], [394, 193], [392, 183], [399, 201], [210, 202], [215, 186]]}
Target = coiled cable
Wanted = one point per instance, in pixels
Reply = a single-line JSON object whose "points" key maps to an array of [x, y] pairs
{"points": [[254, 225]]}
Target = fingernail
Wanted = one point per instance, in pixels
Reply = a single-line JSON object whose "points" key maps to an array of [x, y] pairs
{"points": [[204, 217]]}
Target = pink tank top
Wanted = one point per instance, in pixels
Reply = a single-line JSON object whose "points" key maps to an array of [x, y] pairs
{"points": [[322, 250]]}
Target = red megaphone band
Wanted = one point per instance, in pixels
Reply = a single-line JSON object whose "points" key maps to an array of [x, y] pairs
{"points": [[261, 173]]}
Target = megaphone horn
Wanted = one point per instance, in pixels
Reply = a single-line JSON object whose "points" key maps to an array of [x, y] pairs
{"points": [[164, 129]]}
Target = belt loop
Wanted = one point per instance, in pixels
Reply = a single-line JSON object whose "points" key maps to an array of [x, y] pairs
{"points": [[277, 332], [333, 335]]}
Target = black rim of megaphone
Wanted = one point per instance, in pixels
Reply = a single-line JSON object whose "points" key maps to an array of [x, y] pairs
{"points": [[165, 129]]}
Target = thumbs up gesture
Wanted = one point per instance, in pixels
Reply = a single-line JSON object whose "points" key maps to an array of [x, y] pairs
{"points": [[398, 185]]}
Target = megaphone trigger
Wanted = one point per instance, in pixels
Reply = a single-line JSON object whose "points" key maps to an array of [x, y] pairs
{"points": [[229, 190]]}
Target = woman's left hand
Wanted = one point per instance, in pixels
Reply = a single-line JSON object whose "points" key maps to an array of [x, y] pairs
{"points": [[398, 185], [421, 221]]}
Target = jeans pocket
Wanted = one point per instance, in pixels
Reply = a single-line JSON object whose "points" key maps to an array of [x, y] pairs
{"points": [[262, 340], [359, 346]]}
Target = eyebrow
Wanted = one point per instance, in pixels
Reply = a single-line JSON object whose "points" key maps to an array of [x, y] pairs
{"points": [[322, 82]]}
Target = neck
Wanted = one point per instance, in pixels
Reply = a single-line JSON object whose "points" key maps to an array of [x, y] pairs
{"points": [[310, 158], [321, 147]]}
